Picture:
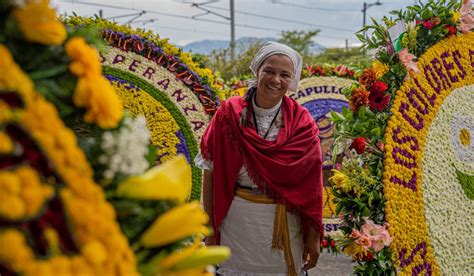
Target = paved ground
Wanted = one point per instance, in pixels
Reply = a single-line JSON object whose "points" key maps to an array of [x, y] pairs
{"points": [[332, 265]]}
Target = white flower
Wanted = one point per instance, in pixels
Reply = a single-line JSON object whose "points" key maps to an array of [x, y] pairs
{"points": [[462, 129], [125, 149]]}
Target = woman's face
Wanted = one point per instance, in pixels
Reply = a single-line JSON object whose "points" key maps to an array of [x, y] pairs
{"points": [[273, 79]]}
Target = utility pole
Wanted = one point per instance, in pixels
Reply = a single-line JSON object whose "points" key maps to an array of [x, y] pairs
{"points": [[101, 13], [232, 30], [347, 45], [364, 11]]}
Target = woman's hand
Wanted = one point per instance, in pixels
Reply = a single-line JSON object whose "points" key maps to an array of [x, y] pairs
{"points": [[311, 249]]}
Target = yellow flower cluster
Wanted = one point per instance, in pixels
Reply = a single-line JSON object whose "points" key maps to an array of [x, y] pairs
{"points": [[92, 91], [11, 75], [89, 214], [405, 140], [160, 122], [22, 193], [38, 23], [380, 68]]}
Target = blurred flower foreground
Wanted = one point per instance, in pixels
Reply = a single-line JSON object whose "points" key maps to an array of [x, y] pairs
{"points": [[90, 183]]}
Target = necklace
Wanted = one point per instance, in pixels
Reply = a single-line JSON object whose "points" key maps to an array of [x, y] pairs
{"points": [[271, 124]]}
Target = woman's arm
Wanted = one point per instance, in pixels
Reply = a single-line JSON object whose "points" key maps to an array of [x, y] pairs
{"points": [[208, 202], [311, 248]]}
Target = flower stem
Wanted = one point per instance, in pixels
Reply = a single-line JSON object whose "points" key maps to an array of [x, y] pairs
{"points": [[48, 73]]}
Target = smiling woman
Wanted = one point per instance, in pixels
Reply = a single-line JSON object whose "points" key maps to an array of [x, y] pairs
{"points": [[262, 160]]}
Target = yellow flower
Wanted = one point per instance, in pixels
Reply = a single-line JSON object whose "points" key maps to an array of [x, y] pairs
{"points": [[456, 15], [176, 224], [53, 240], [339, 179], [204, 257], [6, 144], [380, 68], [102, 104], [355, 250], [11, 76], [170, 181], [85, 59], [38, 23], [94, 252], [14, 249]]}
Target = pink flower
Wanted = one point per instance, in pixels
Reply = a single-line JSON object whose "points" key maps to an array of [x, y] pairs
{"points": [[370, 228], [467, 21], [378, 235], [364, 241], [407, 60], [355, 233]]}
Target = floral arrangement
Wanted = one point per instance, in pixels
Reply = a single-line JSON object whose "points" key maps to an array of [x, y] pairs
{"points": [[185, 67], [327, 70], [388, 189], [157, 80], [76, 204]]}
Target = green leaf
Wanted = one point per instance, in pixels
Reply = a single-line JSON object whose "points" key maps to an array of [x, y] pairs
{"points": [[375, 132]]}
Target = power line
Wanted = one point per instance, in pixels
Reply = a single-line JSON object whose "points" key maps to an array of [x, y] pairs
{"points": [[313, 8], [185, 17], [284, 20]]}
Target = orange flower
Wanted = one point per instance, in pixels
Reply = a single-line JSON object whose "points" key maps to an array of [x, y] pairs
{"points": [[369, 76], [38, 23], [360, 97]]}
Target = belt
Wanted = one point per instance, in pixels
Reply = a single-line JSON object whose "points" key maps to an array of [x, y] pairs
{"points": [[281, 236]]}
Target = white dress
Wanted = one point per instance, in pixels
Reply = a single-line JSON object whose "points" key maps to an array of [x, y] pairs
{"points": [[247, 228]]}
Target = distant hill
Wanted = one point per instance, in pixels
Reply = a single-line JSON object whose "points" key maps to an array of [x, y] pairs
{"points": [[205, 47]]}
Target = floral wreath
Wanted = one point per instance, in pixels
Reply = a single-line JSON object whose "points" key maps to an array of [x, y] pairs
{"points": [[408, 127]]}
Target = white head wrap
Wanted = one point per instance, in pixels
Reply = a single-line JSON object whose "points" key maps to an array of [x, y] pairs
{"points": [[272, 48]]}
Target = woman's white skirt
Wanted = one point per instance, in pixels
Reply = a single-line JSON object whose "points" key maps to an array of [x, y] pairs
{"points": [[248, 230]]}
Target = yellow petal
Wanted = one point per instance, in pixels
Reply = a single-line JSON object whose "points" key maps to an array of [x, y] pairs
{"points": [[203, 257], [178, 256], [178, 223], [170, 181]]}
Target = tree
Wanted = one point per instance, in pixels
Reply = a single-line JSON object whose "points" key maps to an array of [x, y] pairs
{"points": [[338, 56], [301, 41], [221, 61]]}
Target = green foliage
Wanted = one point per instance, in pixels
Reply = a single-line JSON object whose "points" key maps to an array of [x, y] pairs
{"points": [[381, 265], [301, 41], [350, 56], [221, 60], [438, 11]]}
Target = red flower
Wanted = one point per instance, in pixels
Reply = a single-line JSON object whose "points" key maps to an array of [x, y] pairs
{"points": [[378, 86], [324, 243], [451, 29], [378, 100], [333, 243], [358, 144], [369, 257], [428, 24]]}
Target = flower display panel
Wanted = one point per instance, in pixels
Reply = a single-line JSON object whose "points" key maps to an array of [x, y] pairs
{"points": [[428, 162], [320, 95]]}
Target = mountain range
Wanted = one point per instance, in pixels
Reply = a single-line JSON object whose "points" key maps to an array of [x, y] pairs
{"points": [[205, 47]]}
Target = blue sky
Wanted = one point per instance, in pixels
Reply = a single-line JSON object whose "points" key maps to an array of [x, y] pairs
{"points": [[338, 20]]}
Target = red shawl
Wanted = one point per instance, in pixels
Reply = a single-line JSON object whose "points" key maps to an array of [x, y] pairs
{"points": [[289, 168]]}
